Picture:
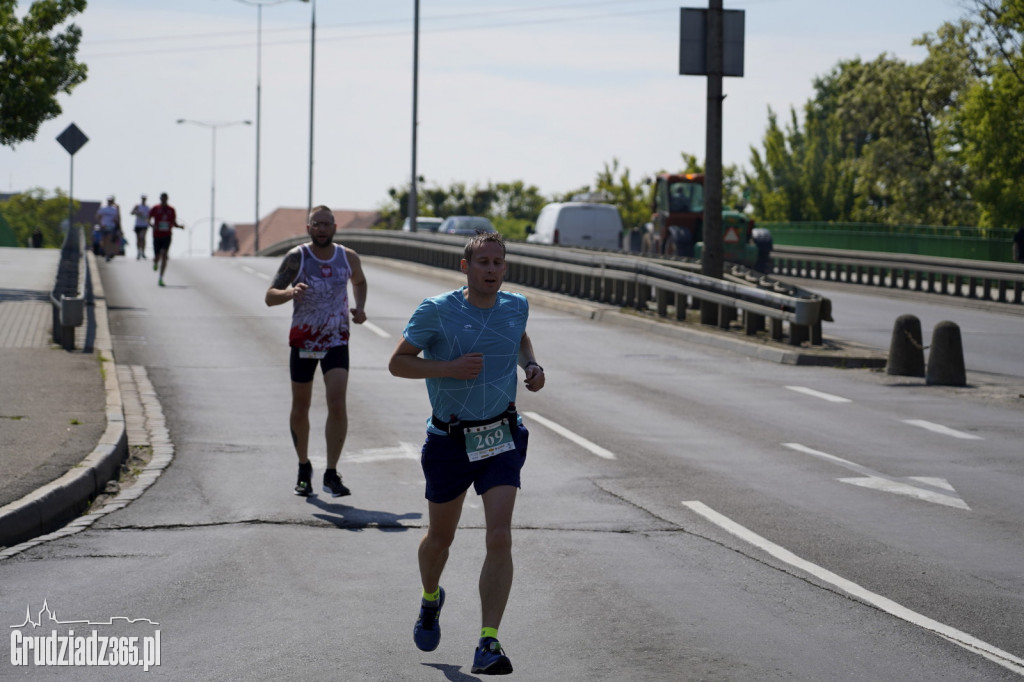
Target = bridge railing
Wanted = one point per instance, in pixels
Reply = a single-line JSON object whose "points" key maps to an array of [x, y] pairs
{"points": [[983, 280], [69, 289], [662, 287]]}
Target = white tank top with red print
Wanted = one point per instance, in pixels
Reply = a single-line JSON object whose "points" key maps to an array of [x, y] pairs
{"points": [[320, 315]]}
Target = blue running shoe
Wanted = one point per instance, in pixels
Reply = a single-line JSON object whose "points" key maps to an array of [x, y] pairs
{"points": [[490, 659], [427, 631]]}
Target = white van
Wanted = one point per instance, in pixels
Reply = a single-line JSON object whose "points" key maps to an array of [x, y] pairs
{"points": [[575, 223]]}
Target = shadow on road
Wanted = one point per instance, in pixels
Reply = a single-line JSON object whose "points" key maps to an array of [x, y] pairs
{"points": [[355, 519], [452, 672]]}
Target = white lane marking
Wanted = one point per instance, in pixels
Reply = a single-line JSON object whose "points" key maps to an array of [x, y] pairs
{"points": [[935, 490], [403, 451], [376, 330], [575, 438], [973, 644], [933, 482], [939, 428], [818, 394], [888, 485], [246, 268], [824, 455]]}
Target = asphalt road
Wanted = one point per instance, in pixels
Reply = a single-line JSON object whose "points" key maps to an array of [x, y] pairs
{"points": [[687, 513], [990, 332]]}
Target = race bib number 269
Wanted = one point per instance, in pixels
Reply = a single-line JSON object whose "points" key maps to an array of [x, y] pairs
{"points": [[488, 440]]}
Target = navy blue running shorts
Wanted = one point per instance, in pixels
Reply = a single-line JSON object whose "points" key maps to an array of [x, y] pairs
{"points": [[449, 472], [304, 369]]}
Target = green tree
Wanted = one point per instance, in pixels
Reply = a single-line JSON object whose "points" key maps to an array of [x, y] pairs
{"points": [[991, 118], [880, 142], [510, 206], [776, 185], [37, 62], [631, 198], [517, 200], [27, 211]]}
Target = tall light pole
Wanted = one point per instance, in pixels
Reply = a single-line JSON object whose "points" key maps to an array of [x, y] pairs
{"points": [[413, 189], [259, 97], [312, 91], [213, 163]]}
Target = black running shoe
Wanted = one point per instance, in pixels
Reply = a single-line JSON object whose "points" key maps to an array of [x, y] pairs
{"points": [[304, 486], [333, 484], [489, 659]]}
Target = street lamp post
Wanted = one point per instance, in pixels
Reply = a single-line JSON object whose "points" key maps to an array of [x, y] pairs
{"points": [[213, 163], [413, 189], [259, 97], [312, 90]]}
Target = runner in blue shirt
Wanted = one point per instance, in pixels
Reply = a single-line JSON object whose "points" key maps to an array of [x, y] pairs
{"points": [[467, 344]]}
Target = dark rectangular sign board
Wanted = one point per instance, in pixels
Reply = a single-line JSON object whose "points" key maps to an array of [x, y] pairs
{"points": [[693, 41]]}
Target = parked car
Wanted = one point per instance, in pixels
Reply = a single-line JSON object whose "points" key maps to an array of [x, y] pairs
{"points": [[423, 224], [575, 223], [465, 224]]}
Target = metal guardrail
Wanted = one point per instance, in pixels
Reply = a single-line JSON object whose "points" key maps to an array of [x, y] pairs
{"points": [[69, 290], [663, 287], [988, 281]]}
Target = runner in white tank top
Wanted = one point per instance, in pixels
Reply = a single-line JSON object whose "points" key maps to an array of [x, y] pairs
{"points": [[315, 277]]}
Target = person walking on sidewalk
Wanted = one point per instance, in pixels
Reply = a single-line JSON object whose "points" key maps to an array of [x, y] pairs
{"points": [[315, 278], [141, 213], [471, 341], [163, 218]]}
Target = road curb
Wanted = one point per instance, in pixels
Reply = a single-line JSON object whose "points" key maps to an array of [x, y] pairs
{"points": [[58, 502]]}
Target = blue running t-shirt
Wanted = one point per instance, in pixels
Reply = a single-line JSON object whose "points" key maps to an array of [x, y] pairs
{"points": [[446, 327]]}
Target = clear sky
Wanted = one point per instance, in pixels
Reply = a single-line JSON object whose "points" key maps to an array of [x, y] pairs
{"points": [[543, 91]]}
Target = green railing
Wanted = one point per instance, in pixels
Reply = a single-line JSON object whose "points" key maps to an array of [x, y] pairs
{"points": [[972, 243]]}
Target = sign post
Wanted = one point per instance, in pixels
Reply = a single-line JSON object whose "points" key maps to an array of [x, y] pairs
{"points": [[711, 44], [72, 139]]}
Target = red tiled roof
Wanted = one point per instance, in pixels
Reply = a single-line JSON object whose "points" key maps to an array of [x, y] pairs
{"points": [[285, 223]]}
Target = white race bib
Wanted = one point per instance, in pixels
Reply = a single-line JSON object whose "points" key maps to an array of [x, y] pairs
{"points": [[488, 440]]}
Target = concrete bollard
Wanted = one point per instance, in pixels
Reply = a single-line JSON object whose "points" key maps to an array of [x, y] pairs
{"points": [[946, 359], [906, 351]]}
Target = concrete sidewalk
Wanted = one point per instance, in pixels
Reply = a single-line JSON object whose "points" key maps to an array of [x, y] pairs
{"points": [[61, 421]]}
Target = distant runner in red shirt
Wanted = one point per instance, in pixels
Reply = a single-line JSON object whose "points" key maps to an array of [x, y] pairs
{"points": [[163, 218]]}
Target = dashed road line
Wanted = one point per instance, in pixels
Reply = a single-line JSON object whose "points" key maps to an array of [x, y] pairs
{"points": [[253, 271], [944, 430], [376, 330], [574, 437], [819, 394]]}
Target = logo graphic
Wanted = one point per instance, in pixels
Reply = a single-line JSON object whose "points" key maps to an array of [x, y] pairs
{"points": [[119, 648]]}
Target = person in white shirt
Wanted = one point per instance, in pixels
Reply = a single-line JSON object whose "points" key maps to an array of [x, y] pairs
{"points": [[141, 213], [109, 219]]}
